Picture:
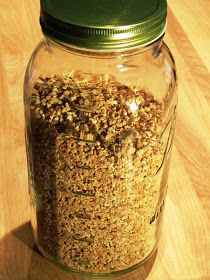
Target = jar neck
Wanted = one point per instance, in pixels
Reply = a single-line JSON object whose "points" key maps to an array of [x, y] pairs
{"points": [[153, 47]]}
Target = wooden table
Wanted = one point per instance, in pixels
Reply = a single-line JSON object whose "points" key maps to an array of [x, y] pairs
{"points": [[184, 251]]}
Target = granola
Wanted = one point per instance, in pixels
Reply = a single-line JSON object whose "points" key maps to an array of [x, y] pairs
{"points": [[97, 150]]}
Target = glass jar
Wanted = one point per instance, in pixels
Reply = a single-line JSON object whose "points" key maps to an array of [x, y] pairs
{"points": [[100, 106]]}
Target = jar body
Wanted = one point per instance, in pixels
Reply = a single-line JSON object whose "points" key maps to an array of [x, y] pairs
{"points": [[99, 132]]}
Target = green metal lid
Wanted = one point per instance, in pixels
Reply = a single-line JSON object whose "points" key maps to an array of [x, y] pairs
{"points": [[103, 24]]}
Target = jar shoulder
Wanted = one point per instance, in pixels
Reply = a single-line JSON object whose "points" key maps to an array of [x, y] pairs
{"points": [[169, 57], [39, 48], [153, 68]]}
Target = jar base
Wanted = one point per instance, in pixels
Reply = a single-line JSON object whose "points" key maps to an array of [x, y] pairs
{"points": [[96, 275]]}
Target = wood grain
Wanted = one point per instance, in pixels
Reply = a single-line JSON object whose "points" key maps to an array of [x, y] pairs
{"points": [[184, 251]]}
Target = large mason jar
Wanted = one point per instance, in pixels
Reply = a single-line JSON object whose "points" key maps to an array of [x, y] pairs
{"points": [[100, 105]]}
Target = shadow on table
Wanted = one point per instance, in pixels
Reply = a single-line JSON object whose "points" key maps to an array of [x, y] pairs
{"points": [[20, 260]]}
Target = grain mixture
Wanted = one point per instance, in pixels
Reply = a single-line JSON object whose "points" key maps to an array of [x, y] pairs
{"points": [[96, 151]]}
